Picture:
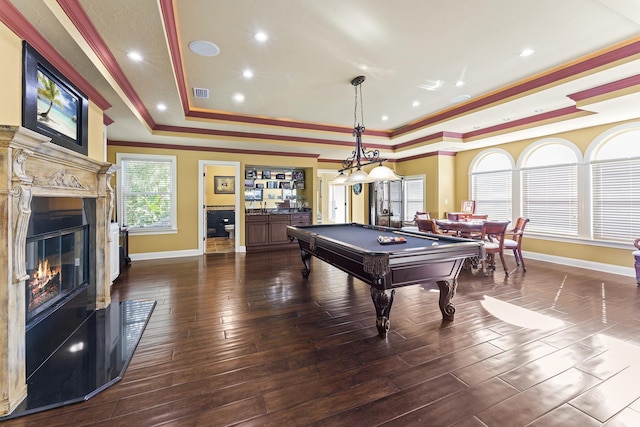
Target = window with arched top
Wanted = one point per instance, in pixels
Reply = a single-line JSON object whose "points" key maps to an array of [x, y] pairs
{"points": [[615, 185], [491, 174], [549, 184]]}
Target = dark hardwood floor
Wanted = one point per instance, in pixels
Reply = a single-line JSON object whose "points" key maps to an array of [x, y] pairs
{"points": [[243, 339]]}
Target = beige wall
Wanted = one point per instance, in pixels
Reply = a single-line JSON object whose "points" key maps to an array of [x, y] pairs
{"points": [[211, 197], [11, 105], [446, 177], [582, 139], [11, 77], [187, 184]]}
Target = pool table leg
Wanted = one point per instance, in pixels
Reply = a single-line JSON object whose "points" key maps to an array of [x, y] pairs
{"points": [[306, 261], [382, 301], [447, 291]]}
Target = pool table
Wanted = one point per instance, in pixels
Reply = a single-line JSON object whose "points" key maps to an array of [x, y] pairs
{"points": [[420, 258]]}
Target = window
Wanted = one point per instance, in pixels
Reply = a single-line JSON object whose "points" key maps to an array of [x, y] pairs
{"points": [[147, 192], [491, 185], [413, 196], [615, 185], [549, 180]]}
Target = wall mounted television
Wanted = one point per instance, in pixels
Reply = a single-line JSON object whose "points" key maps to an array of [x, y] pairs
{"points": [[51, 104]]}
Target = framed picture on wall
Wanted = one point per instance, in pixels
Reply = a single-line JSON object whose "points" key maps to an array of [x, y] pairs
{"points": [[259, 185], [249, 183], [298, 175], [266, 174], [224, 184]]}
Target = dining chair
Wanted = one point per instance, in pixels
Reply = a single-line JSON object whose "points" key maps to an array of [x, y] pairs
{"points": [[513, 240], [427, 226], [422, 215], [493, 237]]}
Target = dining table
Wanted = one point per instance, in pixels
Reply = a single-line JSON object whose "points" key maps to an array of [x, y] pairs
{"points": [[462, 228]]}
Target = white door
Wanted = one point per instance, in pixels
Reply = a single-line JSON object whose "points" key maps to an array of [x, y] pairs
{"points": [[338, 207]]}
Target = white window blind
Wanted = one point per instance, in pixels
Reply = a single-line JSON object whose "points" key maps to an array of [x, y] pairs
{"points": [[413, 197], [492, 193], [550, 199], [148, 192], [616, 199]]}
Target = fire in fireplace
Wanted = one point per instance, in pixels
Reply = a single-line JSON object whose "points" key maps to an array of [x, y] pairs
{"points": [[57, 249], [44, 285]]}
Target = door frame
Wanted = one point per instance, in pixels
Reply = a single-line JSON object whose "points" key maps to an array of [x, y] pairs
{"points": [[202, 233]]}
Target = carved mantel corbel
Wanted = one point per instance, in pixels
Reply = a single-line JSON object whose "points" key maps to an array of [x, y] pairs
{"points": [[21, 191]]}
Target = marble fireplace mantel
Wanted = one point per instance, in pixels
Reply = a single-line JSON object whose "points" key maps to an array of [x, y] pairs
{"points": [[32, 166]]}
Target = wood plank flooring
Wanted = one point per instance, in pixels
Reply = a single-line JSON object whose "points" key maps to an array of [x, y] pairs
{"points": [[242, 339]]}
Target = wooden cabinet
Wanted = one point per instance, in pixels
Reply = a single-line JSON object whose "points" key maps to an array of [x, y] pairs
{"points": [[278, 229], [268, 231], [256, 230], [299, 219]]}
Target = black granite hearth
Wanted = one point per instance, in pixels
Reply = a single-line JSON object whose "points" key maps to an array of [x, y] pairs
{"points": [[93, 358]]}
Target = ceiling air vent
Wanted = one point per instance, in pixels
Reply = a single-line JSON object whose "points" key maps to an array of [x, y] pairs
{"points": [[199, 92]]}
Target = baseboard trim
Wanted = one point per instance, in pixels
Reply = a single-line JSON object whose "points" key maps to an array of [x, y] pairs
{"points": [[160, 255], [589, 265]]}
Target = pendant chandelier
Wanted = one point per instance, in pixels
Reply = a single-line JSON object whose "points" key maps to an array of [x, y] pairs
{"points": [[361, 156]]}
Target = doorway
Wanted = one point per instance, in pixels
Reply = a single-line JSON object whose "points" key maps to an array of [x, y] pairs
{"points": [[219, 200]]}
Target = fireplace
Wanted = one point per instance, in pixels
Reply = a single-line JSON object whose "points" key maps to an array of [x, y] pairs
{"points": [[55, 210], [57, 256]]}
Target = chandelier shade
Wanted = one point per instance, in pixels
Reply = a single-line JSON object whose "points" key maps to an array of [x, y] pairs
{"points": [[361, 156], [382, 173], [358, 176], [339, 180]]}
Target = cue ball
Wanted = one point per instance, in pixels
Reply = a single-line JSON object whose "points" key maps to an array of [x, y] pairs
{"points": [[434, 244]]}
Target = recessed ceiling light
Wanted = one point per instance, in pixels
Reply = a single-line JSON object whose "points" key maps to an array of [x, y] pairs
{"points": [[204, 48], [526, 52], [415, 104], [161, 107], [247, 74], [459, 83], [385, 118], [238, 97], [134, 56], [261, 36], [363, 67]]}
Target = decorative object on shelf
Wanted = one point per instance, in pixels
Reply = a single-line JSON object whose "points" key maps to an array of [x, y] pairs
{"points": [[249, 183], [224, 184], [266, 174], [361, 156], [298, 175], [250, 174], [357, 188], [285, 185], [272, 184], [298, 185], [280, 176], [51, 105]]}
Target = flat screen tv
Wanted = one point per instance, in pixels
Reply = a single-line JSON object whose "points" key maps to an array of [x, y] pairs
{"points": [[253, 194]]}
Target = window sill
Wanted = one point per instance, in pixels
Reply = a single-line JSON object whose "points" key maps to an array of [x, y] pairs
{"points": [[151, 231]]}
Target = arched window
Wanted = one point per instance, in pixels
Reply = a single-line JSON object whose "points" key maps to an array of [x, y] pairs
{"points": [[491, 184], [549, 180], [615, 184]]}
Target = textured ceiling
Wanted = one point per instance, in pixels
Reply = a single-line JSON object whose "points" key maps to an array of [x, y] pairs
{"points": [[300, 99]]}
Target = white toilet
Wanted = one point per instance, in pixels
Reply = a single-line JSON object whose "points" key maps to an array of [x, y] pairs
{"points": [[230, 228]]}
